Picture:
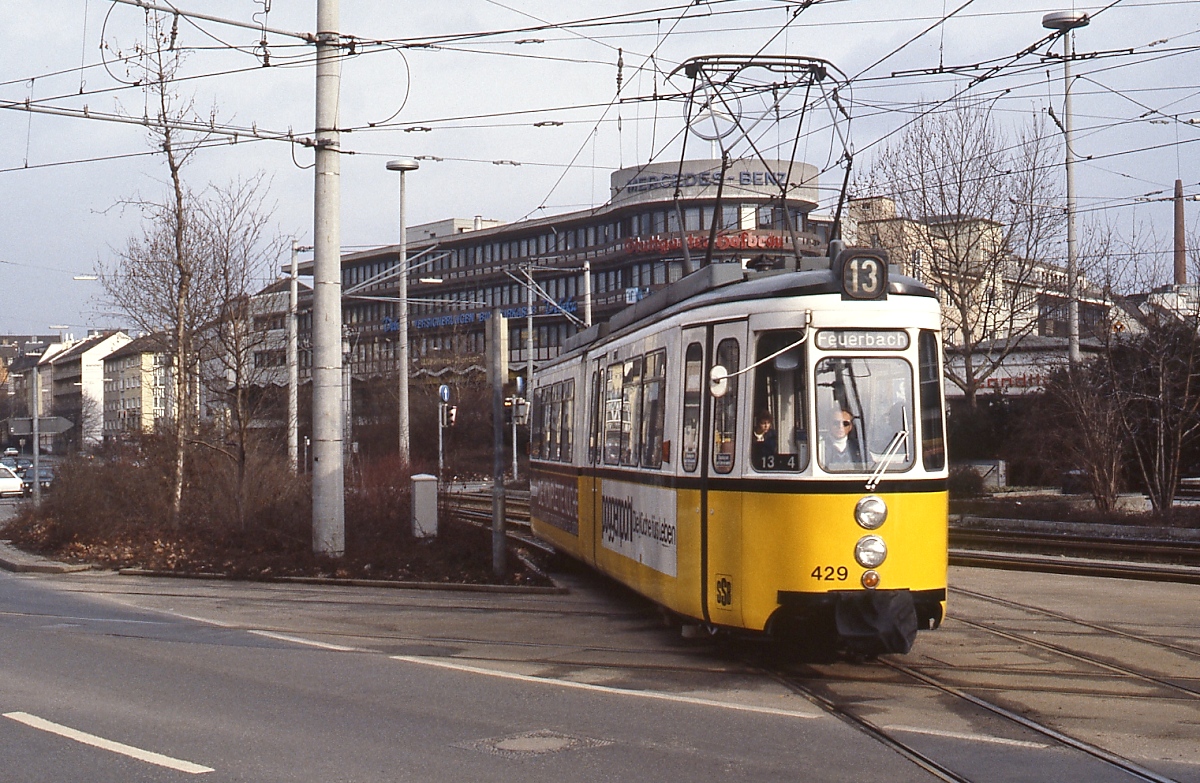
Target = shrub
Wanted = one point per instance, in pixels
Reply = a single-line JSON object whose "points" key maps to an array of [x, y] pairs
{"points": [[965, 482]]}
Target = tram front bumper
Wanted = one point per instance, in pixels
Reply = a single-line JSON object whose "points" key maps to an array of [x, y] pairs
{"points": [[867, 622]]}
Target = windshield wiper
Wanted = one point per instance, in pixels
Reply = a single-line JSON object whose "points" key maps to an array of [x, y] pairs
{"points": [[899, 439]]}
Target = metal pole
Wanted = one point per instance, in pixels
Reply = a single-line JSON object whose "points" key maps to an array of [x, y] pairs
{"points": [[293, 362], [328, 478], [403, 165], [1072, 245], [1067, 21], [37, 436], [1180, 237], [513, 410], [402, 335], [442, 413], [587, 296], [529, 364], [347, 395], [497, 363], [529, 325]]}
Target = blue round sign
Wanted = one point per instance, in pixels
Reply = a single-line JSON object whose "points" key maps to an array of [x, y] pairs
{"points": [[444, 393]]}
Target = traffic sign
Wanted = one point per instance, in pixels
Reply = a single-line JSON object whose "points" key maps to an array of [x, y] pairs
{"points": [[444, 393], [47, 425]]}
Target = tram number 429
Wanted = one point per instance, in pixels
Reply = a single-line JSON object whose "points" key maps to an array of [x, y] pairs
{"points": [[830, 573]]}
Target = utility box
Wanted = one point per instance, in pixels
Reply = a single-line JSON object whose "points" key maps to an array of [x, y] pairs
{"points": [[424, 506]]}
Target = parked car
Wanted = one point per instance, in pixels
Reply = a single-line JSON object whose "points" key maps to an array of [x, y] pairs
{"points": [[11, 452], [10, 483], [45, 478], [9, 462], [23, 465]]}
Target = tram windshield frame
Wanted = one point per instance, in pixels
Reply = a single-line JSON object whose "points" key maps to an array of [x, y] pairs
{"points": [[875, 394]]}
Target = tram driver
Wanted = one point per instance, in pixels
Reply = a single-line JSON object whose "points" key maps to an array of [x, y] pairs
{"points": [[842, 448]]}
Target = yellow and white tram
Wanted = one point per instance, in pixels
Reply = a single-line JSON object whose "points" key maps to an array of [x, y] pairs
{"points": [[758, 452]]}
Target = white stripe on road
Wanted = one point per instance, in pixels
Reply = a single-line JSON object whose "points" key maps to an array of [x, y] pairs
{"points": [[283, 637], [99, 742], [966, 736], [583, 686]]}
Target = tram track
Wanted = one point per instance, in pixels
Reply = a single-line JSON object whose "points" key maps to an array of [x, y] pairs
{"points": [[849, 709], [1103, 628], [1089, 660]]}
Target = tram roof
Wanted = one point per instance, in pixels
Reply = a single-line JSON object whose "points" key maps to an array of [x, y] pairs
{"points": [[722, 283]]}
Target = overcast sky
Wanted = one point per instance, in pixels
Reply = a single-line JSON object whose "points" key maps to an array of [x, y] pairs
{"points": [[473, 106]]}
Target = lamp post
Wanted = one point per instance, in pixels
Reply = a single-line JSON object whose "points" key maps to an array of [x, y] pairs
{"points": [[1066, 21], [403, 165]]}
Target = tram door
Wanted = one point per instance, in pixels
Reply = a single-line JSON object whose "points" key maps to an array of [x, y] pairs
{"points": [[715, 462]]}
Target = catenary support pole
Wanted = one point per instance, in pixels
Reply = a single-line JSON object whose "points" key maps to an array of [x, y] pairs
{"points": [[328, 479], [498, 372], [293, 363]]}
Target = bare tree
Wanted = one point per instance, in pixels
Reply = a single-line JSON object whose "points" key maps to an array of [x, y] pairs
{"points": [[160, 278], [980, 220], [240, 248]]}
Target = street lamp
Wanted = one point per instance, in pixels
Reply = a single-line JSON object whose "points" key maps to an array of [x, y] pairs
{"points": [[403, 165], [1065, 22]]}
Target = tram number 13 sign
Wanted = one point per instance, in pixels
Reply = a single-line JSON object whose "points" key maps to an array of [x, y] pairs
{"points": [[864, 274]]}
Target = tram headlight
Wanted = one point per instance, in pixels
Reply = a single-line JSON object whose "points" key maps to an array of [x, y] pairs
{"points": [[870, 512], [870, 551]]}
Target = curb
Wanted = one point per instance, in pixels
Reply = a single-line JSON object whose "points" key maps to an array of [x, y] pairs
{"points": [[329, 580], [13, 559]]}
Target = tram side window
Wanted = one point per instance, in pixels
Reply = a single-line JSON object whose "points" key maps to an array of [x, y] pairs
{"points": [[933, 443], [594, 429], [554, 416], [631, 412], [612, 414], [566, 441], [725, 409], [537, 444], [779, 435], [653, 411], [693, 371]]}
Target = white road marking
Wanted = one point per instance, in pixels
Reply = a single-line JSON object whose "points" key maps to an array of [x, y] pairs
{"points": [[968, 736], [99, 742], [203, 620], [283, 637], [583, 686]]}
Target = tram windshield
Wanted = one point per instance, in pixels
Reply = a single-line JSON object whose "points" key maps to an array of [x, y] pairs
{"points": [[864, 414]]}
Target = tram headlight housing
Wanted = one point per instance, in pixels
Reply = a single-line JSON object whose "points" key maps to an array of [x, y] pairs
{"points": [[870, 551], [870, 512]]}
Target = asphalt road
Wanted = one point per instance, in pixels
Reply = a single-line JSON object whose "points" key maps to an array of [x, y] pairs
{"points": [[112, 678], [92, 688]]}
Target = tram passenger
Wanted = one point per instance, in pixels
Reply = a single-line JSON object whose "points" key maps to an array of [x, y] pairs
{"points": [[842, 450], [765, 442]]}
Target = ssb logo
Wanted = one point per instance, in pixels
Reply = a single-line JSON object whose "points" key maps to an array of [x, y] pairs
{"points": [[724, 591]]}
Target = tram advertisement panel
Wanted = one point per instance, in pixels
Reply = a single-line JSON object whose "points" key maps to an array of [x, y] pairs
{"points": [[639, 523], [555, 500]]}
